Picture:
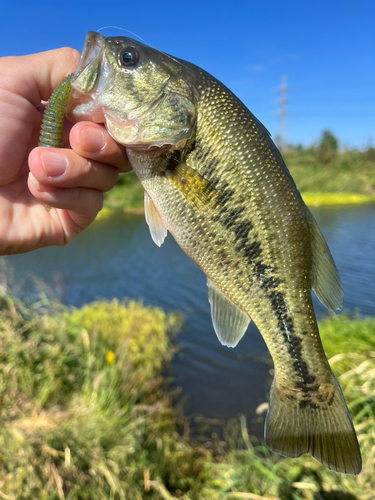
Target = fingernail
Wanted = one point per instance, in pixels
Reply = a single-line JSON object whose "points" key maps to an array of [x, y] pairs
{"points": [[54, 163], [34, 182], [92, 140]]}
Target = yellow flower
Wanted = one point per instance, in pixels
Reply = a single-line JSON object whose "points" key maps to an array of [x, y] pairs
{"points": [[110, 357]]}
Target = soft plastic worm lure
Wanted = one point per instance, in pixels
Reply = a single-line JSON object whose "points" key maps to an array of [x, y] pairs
{"points": [[53, 119], [51, 132]]}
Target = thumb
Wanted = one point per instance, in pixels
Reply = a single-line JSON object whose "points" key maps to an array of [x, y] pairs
{"points": [[35, 76]]}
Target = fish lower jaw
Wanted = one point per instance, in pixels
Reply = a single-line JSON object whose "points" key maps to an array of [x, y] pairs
{"points": [[84, 108], [131, 134]]}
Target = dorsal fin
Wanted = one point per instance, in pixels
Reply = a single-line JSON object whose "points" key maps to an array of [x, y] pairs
{"points": [[155, 222], [326, 281], [230, 323]]}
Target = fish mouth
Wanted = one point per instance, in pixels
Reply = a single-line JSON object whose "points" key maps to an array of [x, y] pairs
{"points": [[92, 73], [92, 76]]}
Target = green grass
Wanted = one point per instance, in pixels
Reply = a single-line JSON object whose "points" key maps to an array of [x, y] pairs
{"points": [[351, 172], [126, 195], [348, 179], [86, 413]]}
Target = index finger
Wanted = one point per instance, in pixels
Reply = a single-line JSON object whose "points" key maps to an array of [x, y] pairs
{"points": [[91, 140]]}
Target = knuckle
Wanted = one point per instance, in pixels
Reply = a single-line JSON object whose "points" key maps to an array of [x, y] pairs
{"points": [[87, 168], [68, 55], [111, 179], [99, 203], [101, 176], [91, 200]]}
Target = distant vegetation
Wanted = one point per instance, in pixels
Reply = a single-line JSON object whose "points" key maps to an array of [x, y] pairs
{"points": [[86, 413], [323, 169], [127, 194], [323, 174]]}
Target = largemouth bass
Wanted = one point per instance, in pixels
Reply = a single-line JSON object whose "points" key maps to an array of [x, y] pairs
{"points": [[215, 180]]}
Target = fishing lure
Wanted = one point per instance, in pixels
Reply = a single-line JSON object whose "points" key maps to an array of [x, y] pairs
{"points": [[51, 132]]}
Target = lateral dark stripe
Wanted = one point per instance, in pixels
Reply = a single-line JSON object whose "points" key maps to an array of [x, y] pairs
{"points": [[251, 250]]}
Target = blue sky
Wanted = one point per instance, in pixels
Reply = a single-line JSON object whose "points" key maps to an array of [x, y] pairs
{"points": [[325, 48]]}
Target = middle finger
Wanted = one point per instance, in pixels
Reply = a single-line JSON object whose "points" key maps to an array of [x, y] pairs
{"points": [[64, 168]]}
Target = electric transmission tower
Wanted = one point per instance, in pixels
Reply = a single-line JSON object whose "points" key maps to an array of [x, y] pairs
{"points": [[282, 112]]}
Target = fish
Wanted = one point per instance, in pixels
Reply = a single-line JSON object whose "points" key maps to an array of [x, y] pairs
{"points": [[215, 180]]}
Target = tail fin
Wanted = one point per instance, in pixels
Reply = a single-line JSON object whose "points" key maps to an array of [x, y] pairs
{"points": [[324, 430]]}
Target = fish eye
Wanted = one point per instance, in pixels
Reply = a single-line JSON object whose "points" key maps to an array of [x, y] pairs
{"points": [[128, 57]]}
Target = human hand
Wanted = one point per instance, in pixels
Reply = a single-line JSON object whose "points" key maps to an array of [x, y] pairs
{"points": [[70, 180]]}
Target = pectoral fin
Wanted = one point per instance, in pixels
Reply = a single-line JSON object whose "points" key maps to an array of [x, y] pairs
{"points": [[326, 281], [193, 186], [229, 322], [155, 223]]}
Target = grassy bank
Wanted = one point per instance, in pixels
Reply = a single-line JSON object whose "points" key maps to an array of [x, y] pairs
{"points": [[349, 172], [349, 178], [85, 414]]}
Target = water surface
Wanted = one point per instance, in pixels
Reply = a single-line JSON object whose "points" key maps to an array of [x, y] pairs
{"points": [[118, 259]]}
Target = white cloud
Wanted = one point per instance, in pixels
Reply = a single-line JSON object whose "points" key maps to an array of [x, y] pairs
{"points": [[256, 68]]}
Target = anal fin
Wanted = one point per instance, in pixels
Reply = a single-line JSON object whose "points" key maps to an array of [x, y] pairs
{"points": [[230, 323], [155, 222]]}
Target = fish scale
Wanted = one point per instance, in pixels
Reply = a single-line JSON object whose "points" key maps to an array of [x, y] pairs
{"points": [[215, 180], [271, 312]]}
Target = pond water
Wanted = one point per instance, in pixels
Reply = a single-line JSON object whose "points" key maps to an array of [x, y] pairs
{"points": [[117, 258]]}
